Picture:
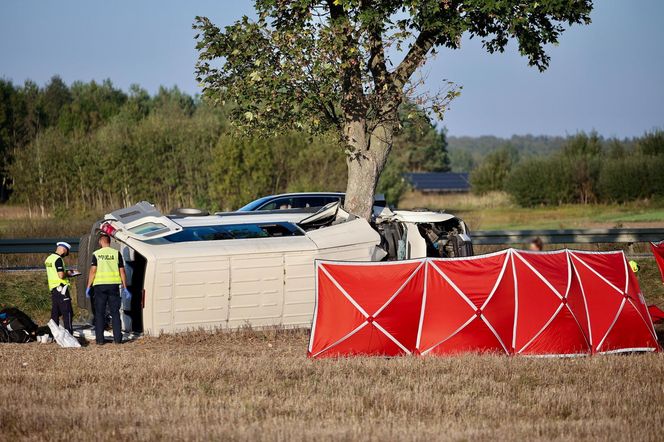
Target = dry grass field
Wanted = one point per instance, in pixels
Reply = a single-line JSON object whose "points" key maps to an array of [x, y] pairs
{"points": [[259, 385], [250, 385]]}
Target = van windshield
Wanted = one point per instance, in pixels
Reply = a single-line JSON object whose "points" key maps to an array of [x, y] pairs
{"points": [[230, 231]]}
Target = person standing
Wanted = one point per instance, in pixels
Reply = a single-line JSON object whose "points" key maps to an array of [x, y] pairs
{"points": [[59, 286], [106, 279], [536, 245]]}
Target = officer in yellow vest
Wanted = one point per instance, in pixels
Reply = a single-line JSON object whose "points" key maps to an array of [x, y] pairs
{"points": [[107, 278], [58, 284]]}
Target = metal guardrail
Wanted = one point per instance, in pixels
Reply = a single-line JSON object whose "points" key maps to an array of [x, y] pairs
{"points": [[570, 236], [480, 237], [34, 245]]}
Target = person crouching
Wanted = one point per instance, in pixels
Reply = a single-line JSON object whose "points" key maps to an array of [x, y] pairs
{"points": [[107, 279]]}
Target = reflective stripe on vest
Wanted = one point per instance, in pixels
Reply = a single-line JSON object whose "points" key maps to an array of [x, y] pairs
{"points": [[108, 271], [52, 273]]}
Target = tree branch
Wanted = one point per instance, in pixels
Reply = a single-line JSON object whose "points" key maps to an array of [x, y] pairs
{"points": [[376, 61], [414, 58], [353, 101]]}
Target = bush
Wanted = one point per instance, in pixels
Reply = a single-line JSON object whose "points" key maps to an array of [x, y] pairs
{"points": [[630, 178], [492, 174], [537, 181], [561, 180]]}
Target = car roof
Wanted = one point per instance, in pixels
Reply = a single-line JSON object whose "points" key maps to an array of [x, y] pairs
{"points": [[252, 205], [227, 218], [281, 195]]}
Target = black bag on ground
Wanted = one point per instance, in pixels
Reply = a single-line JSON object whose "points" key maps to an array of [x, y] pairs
{"points": [[16, 326]]}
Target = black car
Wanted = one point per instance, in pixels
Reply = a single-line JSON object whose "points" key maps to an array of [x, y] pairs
{"points": [[285, 201]]}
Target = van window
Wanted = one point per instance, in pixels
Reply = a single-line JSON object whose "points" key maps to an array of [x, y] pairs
{"points": [[145, 228], [231, 231]]}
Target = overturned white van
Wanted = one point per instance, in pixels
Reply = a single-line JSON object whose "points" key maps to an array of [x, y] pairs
{"points": [[228, 270]]}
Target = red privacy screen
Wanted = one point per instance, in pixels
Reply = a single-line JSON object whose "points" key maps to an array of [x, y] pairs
{"points": [[513, 302]]}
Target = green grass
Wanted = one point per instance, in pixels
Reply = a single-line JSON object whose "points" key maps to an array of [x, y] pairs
{"points": [[562, 217], [29, 292], [495, 211], [651, 282], [653, 215]]}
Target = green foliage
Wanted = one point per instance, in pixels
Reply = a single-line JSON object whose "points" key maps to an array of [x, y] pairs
{"points": [[652, 143], [586, 170], [332, 65], [466, 152], [419, 146], [461, 160], [305, 64], [28, 291], [96, 148], [494, 170], [630, 178], [541, 181], [392, 183], [246, 168]]}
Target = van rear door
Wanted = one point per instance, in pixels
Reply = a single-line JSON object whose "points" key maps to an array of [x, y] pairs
{"points": [[142, 221]]}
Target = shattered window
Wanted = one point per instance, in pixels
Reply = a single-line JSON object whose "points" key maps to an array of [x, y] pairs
{"points": [[231, 231]]}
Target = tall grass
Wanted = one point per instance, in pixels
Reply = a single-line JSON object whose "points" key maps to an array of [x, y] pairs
{"points": [[456, 201], [29, 292]]}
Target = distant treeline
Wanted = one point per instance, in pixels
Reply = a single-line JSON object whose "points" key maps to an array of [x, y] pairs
{"points": [[91, 146], [466, 153], [584, 169]]}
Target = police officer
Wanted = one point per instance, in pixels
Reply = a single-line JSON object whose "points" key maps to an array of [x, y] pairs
{"points": [[107, 277], [58, 284]]}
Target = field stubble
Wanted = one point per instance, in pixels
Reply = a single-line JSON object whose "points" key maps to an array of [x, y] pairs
{"points": [[251, 385]]}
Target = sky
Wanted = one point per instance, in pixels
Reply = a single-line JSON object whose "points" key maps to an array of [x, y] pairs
{"points": [[608, 76]]}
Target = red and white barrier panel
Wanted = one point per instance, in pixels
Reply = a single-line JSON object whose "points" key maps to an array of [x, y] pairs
{"points": [[658, 251], [514, 302]]}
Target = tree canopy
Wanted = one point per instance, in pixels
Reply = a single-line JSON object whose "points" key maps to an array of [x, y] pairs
{"points": [[349, 64]]}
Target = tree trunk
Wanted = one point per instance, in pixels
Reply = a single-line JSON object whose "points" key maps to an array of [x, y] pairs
{"points": [[366, 160]]}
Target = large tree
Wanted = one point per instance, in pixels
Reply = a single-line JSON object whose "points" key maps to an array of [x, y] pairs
{"points": [[349, 64]]}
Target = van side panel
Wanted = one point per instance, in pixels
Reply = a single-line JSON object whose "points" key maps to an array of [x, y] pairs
{"points": [[190, 287], [298, 289], [162, 297], [257, 288], [201, 293]]}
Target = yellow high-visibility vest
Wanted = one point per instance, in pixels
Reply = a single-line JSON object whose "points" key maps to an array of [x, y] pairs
{"points": [[52, 273], [108, 270]]}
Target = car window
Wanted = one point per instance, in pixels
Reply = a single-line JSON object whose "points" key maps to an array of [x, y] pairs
{"points": [[299, 202], [330, 199], [254, 205], [313, 201], [278, 204]]}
